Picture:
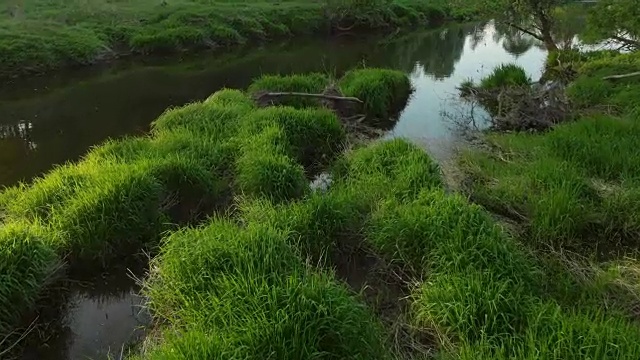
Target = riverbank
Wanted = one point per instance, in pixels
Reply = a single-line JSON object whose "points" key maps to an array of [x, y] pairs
{"points": [[37, 36], [385, 263]]}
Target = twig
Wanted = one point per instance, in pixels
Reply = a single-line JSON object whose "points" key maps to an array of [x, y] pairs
{"points": [[24, 335], [321, 96]]}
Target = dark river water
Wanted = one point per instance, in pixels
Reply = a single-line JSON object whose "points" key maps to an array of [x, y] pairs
{"points": [[49, 120]]}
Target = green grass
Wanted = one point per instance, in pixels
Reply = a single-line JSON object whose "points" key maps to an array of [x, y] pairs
{"points": [[569, 186], [27, 263], [384, 92], [505, 75], [235, 293], [41, 35], [124, 194]]}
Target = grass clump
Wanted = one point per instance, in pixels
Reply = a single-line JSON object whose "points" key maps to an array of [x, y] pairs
{"points": [[505, 75], [313, 135], [394, 168], [27, 263], [384, 92], [245, 294]]}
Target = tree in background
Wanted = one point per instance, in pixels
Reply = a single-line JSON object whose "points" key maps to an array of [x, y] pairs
{"points": [[618, 20], [532, 17]]}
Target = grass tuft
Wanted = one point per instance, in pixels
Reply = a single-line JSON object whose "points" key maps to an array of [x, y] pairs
{"points": [[384, 92]]}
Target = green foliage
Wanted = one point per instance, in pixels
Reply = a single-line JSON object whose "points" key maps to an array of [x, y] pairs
{"points": [[244, 294], [384, 92], [26, 263], [617, 19], [393, 168]]}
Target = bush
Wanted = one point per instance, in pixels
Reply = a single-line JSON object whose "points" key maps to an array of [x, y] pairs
{"points": [[384, 92]]}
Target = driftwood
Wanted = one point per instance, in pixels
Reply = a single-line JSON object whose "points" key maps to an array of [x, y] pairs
{"points": [[622, 76], [331, 98], [273, 95], [522, 108]]}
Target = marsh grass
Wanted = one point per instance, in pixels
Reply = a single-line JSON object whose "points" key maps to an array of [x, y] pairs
{"points": [[384, 92], [251, 287], [505, 75], [313, 135], [27, 265]]}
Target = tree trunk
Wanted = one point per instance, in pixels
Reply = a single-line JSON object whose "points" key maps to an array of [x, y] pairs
{"points": [[545, 31]]}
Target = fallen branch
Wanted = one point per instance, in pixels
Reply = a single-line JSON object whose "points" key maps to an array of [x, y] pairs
{"points": [[319, 96], [622, 76]]}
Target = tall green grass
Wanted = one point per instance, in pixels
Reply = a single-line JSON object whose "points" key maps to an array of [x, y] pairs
{"points": [[228, 292], [384, 92], [27, 263], [505, 75], [303, 83]]}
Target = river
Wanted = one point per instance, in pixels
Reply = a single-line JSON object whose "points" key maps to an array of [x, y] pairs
{"points": [[46, 121]]}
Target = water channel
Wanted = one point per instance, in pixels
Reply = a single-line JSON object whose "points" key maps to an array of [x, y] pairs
{"points": [[46, 121]]}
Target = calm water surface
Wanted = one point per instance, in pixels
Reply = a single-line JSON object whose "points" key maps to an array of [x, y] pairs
{"points": [[47, 121]]}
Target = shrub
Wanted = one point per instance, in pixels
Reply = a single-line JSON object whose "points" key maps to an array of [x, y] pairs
{"points": [[384, 92]]}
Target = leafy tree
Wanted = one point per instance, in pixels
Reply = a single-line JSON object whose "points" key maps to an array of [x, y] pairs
{"points": [[618, 20], [533, 17]]}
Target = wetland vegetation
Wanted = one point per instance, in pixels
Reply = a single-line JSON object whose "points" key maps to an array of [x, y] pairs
{"points": [[524, 247]]}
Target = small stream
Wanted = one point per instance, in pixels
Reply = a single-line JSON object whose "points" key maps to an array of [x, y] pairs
{"points": [[50, 120]]}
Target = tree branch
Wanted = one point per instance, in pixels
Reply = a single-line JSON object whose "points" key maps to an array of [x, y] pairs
{"points": [[529, 32], [320, 96], [615, 77], [627, 41]]}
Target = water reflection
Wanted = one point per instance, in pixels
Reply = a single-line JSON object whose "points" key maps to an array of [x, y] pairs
{"points": [[47, 121]]}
